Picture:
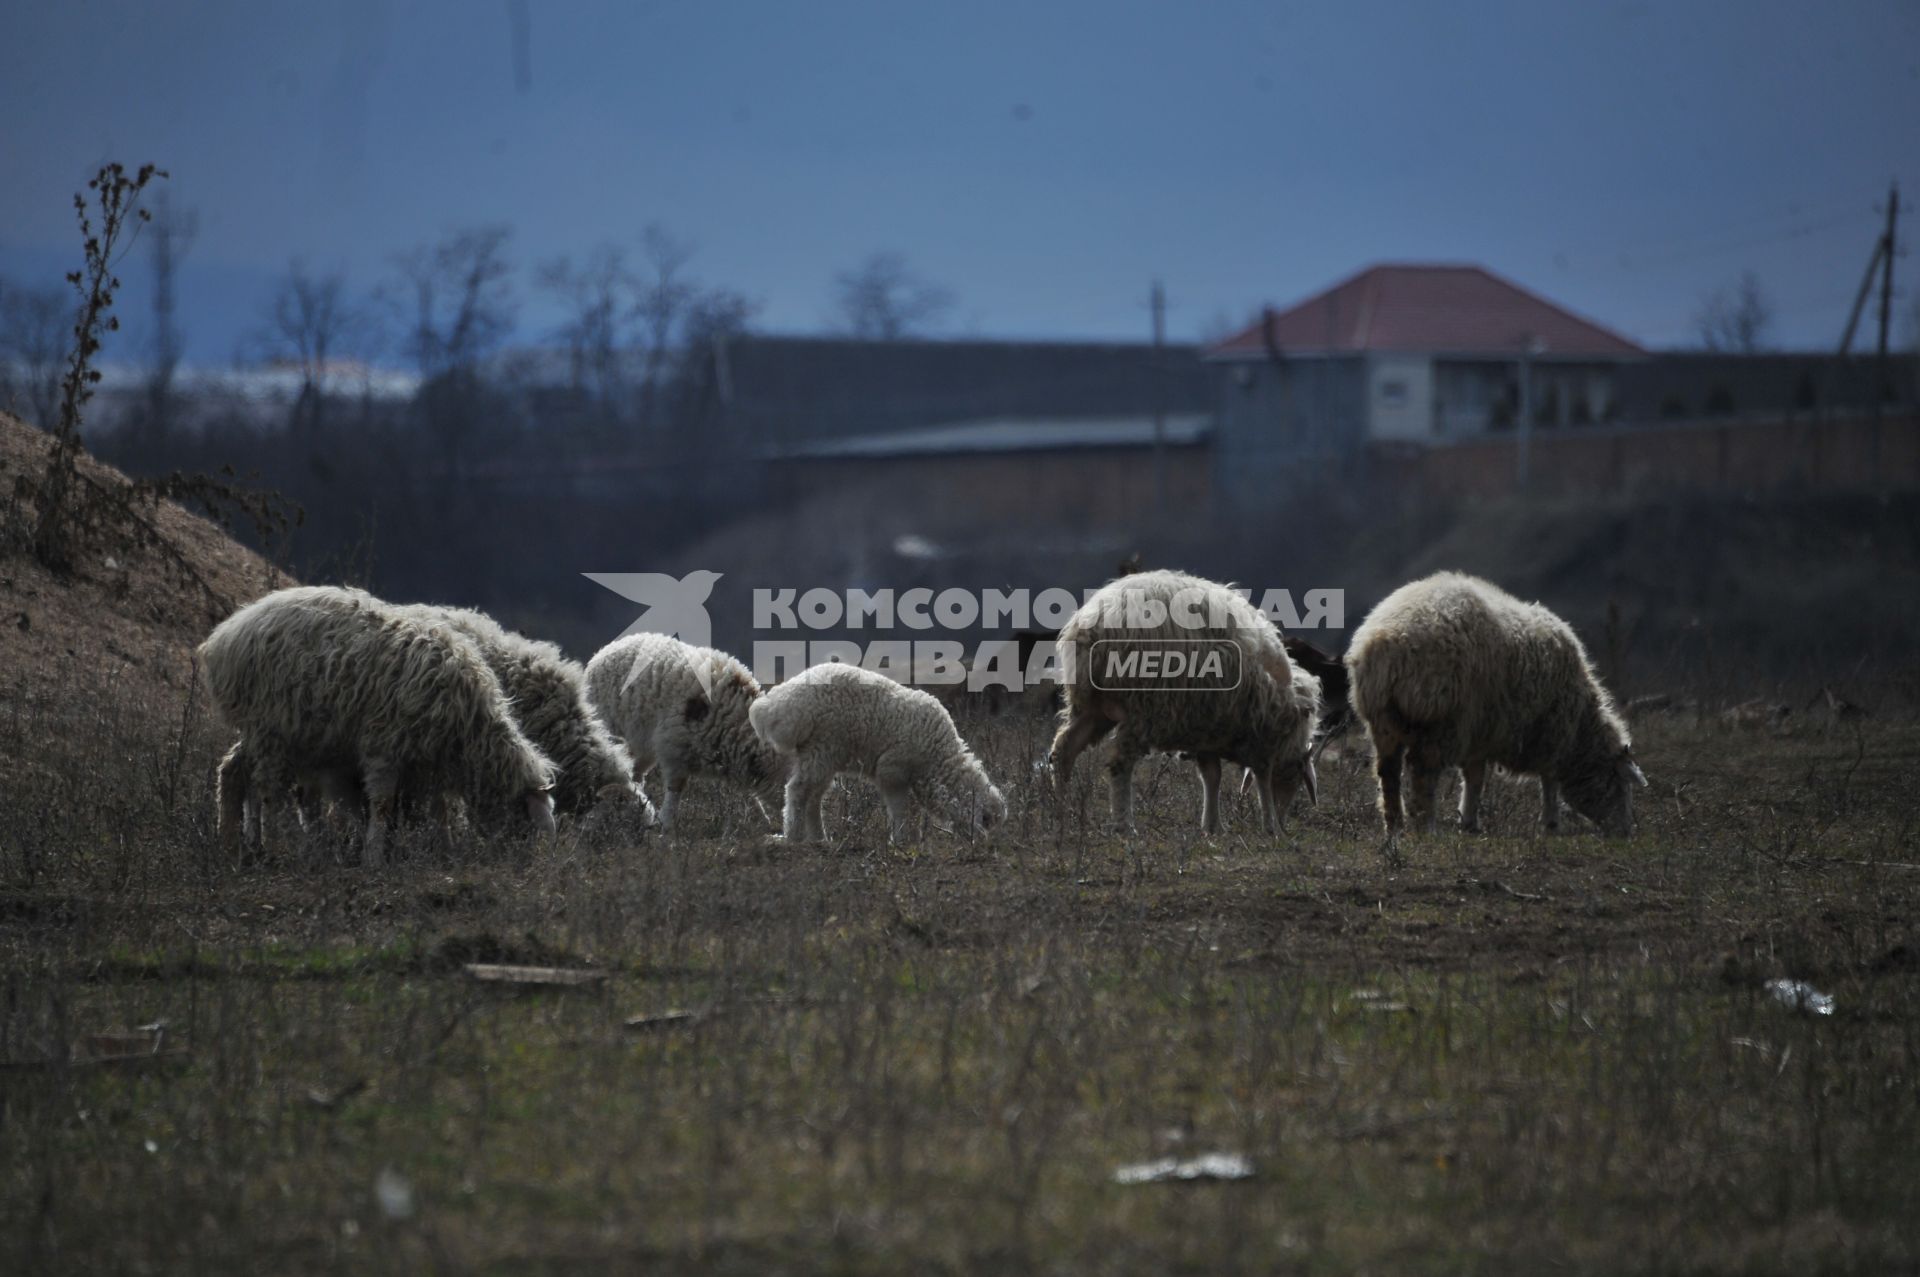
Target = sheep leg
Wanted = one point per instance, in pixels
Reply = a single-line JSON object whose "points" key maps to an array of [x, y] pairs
{"points": [[1475, 777], [271, 784], [793, 820], [806, 792], [896, 791], [674, 785], [1550, 805], [1278, 796], [1388, 767], [1272, 814], [817, 813], [309, 805], [1209, 766], [231, 796], [1070, 741], [1126, 755], [449, 820], [383, 787], [1426, 794]]}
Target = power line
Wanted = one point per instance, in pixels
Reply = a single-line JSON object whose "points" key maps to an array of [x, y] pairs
{"points": [[1708, 235], [1629, 261]]}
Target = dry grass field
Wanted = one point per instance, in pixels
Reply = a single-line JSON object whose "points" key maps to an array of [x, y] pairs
{"points": [[1510, 1053]]}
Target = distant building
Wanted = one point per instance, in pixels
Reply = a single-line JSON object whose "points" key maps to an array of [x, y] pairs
{"points": [[1058, 436], [1095, 474], [778, 395], [1403, 354]]}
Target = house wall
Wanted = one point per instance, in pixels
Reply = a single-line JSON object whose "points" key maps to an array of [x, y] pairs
{"points": [[1400, 397], [1277, 422]]}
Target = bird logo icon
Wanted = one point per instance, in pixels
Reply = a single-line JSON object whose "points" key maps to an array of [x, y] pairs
{"points": [[675, 606]]}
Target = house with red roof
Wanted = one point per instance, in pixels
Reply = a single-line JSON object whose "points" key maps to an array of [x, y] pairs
{"points": [[1407, 355]]}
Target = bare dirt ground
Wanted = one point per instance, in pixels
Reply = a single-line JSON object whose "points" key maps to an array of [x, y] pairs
{"points": [[1510, 1053]]}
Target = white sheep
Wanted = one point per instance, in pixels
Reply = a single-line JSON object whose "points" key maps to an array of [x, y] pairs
{"points": [[322, 681], [1451, 671], [1255, 708], [683, 709], [831, 719], [548, 694]]}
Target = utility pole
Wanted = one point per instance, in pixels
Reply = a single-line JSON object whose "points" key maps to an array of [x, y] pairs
{"points": [[1158, 303], [1881, 383]]}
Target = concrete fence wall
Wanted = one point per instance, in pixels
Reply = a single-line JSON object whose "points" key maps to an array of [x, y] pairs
{"points": [[1850, 454]]}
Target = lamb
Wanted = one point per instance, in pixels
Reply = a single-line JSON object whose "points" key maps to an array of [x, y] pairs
{"points": [[1260, 713], [330, 682], [1451, 671], [549, 698], [830, 719], [684, 709]]}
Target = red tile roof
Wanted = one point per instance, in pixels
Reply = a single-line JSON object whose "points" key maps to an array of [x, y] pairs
{"points": [[1454, 310]]}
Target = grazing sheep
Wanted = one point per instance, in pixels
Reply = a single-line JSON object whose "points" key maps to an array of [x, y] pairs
{"points": [[830, 719], [1336, 708], [321, 681], [549, 698], [1264, 721], [684, 709], [1451, 671], [237, 800]]}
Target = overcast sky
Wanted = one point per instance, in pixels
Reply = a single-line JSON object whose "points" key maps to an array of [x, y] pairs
{"points": [[1044, 160]]}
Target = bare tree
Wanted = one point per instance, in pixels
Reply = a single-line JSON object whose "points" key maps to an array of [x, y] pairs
{"points": [[36, 330], [307, 321], [663, 299], [712, 315], [594, 294], [1735, 319], [455, 299], [456, 304], [884, 299]]}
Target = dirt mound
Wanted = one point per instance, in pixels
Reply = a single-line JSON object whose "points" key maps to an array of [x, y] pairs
{"points": [[117, 635], [1712, 593]]}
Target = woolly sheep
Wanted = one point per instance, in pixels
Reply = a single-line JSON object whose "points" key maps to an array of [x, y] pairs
{"points": [[319, 680], [683, 709], [1264, 722], [830, 719], [1451, 671], [549, 698]]}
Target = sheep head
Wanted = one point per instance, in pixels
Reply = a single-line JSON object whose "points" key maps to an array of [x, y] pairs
{"points": [[1604, 793]]}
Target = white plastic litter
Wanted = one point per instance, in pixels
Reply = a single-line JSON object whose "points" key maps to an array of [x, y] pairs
{"points": [[394, 1192], [1223, 1166], [1801, 996]]}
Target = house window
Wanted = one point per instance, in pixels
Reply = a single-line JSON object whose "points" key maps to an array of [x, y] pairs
{"points": [[1393, 393]]}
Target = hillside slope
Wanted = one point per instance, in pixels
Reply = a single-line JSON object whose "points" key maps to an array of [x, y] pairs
{"points": [[1707, 592], [115, 639]]}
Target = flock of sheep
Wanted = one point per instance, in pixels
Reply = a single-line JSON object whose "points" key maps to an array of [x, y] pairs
{"points": [[340, 698]]}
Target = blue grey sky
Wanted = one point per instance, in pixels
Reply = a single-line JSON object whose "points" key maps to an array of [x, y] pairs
{"points": [[1044, 160]]}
